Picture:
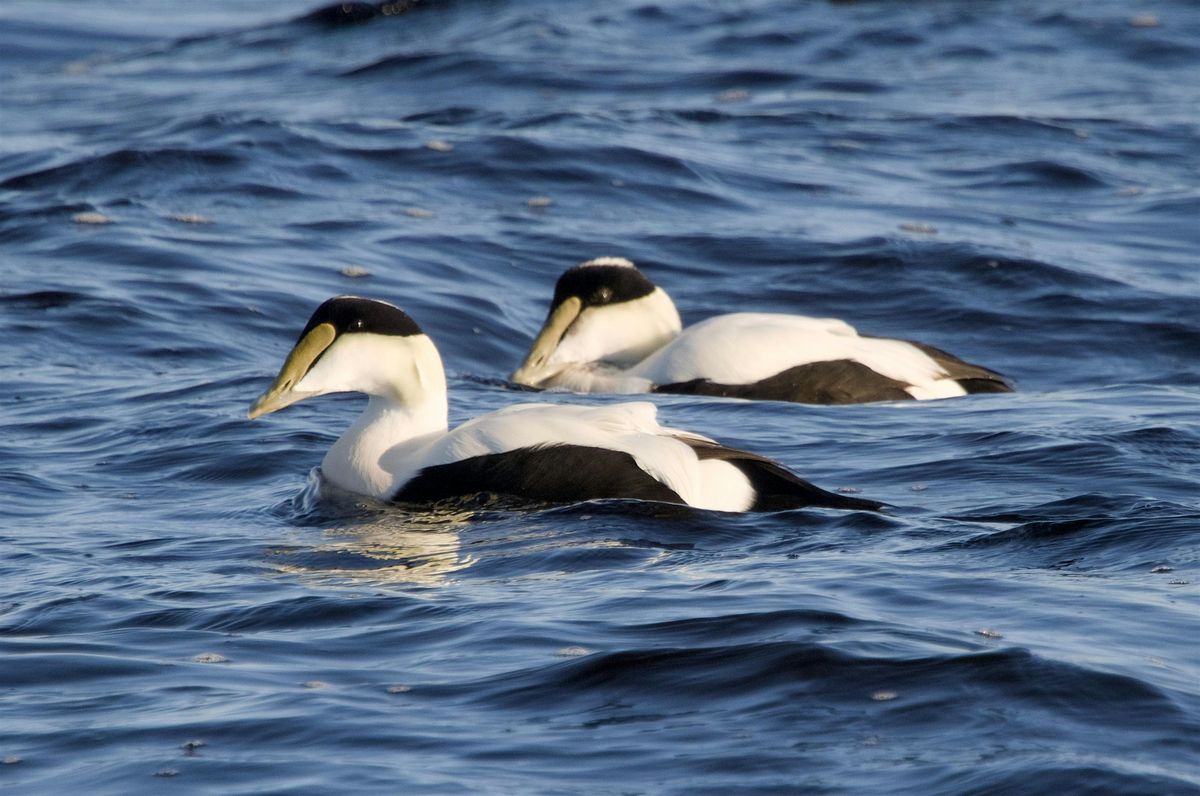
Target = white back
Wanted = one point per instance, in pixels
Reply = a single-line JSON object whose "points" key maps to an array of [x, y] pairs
{"points": [[746, 347], [629, 427]]}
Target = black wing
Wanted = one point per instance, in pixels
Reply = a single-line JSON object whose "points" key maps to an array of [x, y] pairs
{"points": [[973, 378], [775, 487]]}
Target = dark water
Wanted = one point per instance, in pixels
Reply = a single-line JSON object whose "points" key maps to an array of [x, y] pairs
{"points": [[1016, 182]]}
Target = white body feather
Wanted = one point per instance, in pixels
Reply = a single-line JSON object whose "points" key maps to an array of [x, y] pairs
{"points": [[746, 347], [630, 428], [740, 348], [404, 427]]}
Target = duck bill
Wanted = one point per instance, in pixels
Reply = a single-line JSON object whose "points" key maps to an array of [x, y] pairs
{"points": [[533, 369], [282, 392]]}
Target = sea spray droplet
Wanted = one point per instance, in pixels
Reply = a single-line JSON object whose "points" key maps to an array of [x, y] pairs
{"points": [[573, 652], [190, 218], [399, 689], [1161, 568], [539, 201], [733, 95], [884, 696], [315, 684], [987, 632], [209, 657], [10, 760], [191, 746], [438, 145], [418, 212], [91, 218], [845, 143], [167, 772]]}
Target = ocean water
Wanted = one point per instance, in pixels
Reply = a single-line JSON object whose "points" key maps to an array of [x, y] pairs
{"points": [[183, 609]]}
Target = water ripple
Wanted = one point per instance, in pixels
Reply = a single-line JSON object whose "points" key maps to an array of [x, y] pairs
{"points": [[188, 604]]}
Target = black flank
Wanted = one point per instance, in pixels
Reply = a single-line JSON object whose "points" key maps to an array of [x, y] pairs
{"points": [[839, 381], [549, 474]]}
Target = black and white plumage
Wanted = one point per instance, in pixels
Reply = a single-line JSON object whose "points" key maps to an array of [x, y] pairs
{"points": [[400, 447], [610, 329]]}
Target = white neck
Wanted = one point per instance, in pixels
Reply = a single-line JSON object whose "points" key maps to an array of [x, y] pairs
{"points": [[407, 406], [362, 460]]}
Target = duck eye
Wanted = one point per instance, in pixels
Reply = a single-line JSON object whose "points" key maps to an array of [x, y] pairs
{"points": [[356, 325], [602, 295]]}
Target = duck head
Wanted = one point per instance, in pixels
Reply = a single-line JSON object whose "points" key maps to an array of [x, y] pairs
{"points": [[353, 344], [604, 312]]}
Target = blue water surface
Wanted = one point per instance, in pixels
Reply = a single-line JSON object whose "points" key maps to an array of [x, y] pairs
{"points": [[184, 609]]}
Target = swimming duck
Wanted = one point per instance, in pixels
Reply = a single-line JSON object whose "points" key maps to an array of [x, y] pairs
{"points": [[610, 329], [401, 449]]}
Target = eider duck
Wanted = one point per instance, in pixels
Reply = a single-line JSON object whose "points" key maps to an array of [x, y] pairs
{"points": [[400, 448], [610, 329]]}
